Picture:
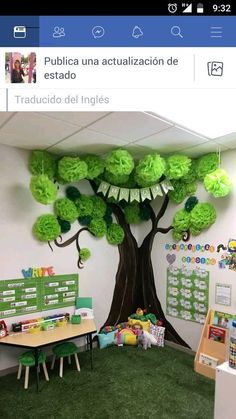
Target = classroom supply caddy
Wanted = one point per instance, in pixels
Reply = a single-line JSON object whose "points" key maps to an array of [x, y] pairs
{"points": [[212, 349]]}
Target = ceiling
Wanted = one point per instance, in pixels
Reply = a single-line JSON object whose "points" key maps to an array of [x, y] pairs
{"points": [[99, 132]]}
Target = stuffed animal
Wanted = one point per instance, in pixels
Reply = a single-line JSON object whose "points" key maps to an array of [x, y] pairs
{"points": [[145, 340]]}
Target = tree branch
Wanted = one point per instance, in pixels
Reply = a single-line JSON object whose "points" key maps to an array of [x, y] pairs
{"points": [[70, 241], [162, 210], [164, 230]]}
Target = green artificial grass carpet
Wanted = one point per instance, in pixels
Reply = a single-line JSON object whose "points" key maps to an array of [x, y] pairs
{"points": [[126, 382]]}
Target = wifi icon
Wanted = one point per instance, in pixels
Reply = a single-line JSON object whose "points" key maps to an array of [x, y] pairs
{"points": [[187, 7]]}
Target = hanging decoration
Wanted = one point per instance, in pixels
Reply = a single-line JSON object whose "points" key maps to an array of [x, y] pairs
{"points": [[135, 194]]}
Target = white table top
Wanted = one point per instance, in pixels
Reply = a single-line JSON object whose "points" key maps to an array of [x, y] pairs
{"points": [[34, 340]]}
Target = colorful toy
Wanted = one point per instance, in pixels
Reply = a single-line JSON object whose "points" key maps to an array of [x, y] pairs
{"points": [[3, 329]]}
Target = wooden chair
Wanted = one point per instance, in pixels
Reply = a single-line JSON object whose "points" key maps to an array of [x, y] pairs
{"points": [[62, 350], [27, 360]]}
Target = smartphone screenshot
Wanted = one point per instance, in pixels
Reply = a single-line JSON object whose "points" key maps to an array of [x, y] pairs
{"points": [[117, 213]]}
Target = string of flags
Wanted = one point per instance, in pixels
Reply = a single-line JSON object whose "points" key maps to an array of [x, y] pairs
{"points": [[135, 194]]}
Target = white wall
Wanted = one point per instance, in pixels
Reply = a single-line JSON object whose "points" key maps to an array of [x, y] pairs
{"points": [[18, 248], [223, 229]]}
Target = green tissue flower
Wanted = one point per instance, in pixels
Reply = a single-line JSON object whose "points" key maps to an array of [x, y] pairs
{"points": [[46, 227], [191, 188], [179, 193], [190, 203], [99, 207], [42, 163], [207, 164], [181, 221], [66, 210], [202, 216], [98, 227], [84, 254], [115, 234], [132, 213], [84, 206], [218, 183], [177, 166], [85, 221], [95, 166], [115, 179], [65, 225], [72, 169], [72, 193], [191, 176], [150, 169], [119, 162], [177, 236], [43, 189]]}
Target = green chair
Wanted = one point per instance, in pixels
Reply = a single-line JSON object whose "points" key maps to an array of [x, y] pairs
{"points": [[63, 350], [27, 360]]}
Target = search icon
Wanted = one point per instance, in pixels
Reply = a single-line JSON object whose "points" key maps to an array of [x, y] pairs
{"points": [[176, 31]]}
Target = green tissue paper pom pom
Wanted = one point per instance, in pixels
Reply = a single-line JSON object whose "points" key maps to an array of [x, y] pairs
{"points": [[108, 219], [190, 203], [194, 231], [181, 221], [42, 163], [119, 162], [115, 179], [72, 193], [202, 216], [132, 214], [85, 221], [95, 166], [43, 189], [207, 164], [191, 188], [66, 210], [179, 193], [98, 227], [177, 166], [46, 228], [150, 169], [191, 176], [65, 225], [84, 254], [218, 183], [99, 207], [72, 169], [115, 234], [177, 236], [84, 206], [144, 212]]}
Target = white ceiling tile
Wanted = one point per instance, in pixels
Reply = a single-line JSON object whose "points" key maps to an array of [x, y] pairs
{"points": [[77, 118], [138, 151], [87, 141], [30, 130], [130, 126], [208, 147], [228, 140], [171, 140]]}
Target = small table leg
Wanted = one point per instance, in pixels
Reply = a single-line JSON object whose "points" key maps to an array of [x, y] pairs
{"points": [[91, 348], [36, 355]]}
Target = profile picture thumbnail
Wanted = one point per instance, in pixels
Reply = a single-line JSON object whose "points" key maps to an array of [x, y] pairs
{"points": [[20, 67]]}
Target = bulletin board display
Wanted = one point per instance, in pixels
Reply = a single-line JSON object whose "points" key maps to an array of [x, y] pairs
{"points": [[187, 293], [30, 295]]}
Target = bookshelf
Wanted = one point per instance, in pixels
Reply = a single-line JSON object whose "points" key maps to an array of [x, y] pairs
{"points": [[210, 347]]}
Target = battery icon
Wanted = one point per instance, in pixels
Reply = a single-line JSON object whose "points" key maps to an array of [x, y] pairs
{"points": [[200, 8]]}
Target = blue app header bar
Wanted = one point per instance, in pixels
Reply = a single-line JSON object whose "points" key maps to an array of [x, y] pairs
{"points": [[118, 31]]}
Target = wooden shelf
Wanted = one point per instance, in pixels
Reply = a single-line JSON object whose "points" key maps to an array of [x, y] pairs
{"points": [[210, 347]]}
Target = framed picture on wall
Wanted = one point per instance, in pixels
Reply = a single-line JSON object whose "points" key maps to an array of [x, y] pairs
{"points": [[223, 294]]}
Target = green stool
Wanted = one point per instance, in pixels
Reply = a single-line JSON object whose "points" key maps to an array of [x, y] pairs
{"points": [[63, 350], [27, 360]]}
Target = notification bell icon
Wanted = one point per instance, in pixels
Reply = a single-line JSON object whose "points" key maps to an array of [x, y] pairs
{"points": [[137, 32]]}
